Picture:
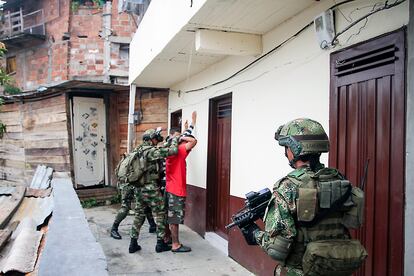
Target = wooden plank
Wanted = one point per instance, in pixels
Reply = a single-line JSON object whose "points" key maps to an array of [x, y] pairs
{"points": [[9, 207], [47, 152], [51, 143], [4, 237], [41, 128], [48, 159]]}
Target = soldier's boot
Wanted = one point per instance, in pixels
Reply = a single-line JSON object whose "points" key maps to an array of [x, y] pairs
{"points": [[114, 232], [153, 225], [162, 246], [134, 246]]}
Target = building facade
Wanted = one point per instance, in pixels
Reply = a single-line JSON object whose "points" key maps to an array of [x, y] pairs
{"points": [[69, 59], [248, 67]]}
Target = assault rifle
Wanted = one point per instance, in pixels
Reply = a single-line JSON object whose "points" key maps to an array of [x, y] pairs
{"points": [[255, 207]]}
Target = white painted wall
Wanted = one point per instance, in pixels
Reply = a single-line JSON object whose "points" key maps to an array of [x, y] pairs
{"points": [[292, 82]]}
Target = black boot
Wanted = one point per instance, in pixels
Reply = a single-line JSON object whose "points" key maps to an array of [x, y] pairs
{"points": [[114, 232], [162, 246], [151, 222], [152, 225], [133, 246]]}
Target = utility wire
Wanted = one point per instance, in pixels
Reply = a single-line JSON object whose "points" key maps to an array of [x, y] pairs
{"points": [[261, 57], [251, 63], [385, 7], [333, 42]]}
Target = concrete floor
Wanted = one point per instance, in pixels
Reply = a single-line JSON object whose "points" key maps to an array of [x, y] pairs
{"points": [[203, 260]]}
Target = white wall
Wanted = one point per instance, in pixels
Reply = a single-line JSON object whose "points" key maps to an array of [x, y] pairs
{"points": [[292, 82]]}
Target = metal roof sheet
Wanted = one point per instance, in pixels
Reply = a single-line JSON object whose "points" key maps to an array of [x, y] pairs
{"points": [[42, 177], [7, 191]]}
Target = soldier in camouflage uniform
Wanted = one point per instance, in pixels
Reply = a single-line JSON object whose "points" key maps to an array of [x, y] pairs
{"points": [[149, 194], [127, 196], [283, 238]]}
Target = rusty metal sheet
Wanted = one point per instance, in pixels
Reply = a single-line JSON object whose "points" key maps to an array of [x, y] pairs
{"points": [[30, 192], [22, 252], [7, 191], [37, 209], [42, 177]]}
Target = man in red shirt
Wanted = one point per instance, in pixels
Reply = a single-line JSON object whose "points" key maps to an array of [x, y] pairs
{"points": [[176, 185]]}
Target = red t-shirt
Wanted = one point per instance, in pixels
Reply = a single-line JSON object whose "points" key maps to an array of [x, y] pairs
{"points": [[176, 172]]}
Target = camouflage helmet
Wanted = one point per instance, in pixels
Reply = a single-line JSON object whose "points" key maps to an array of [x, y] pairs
{"points": [[151, 133], [303, 136]]}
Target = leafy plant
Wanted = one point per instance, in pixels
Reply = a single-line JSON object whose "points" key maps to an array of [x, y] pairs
{"points": [[4, 79], [11, 89], [89, 203], [98, 3], [74, 6]]}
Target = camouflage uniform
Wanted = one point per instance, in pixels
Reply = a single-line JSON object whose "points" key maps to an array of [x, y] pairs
{"points": [[280, 219], [150, 193], [127, 195], [280, 216]]}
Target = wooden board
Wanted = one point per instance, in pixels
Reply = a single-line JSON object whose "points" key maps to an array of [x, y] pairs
{"points": [[10, 206]]}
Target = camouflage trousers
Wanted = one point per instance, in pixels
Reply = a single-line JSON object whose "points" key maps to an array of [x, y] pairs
{"points": [[127, 196], [149, 195], [287, 271]]}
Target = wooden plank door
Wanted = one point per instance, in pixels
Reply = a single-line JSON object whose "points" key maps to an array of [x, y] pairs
{"points": [[367, 122], [89, 141], [218, 187]]}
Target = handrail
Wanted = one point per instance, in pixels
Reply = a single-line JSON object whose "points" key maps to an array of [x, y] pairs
{"points": [[17, 22]]}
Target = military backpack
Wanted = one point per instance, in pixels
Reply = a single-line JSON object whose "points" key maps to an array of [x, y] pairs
{"points": [[132, 167], [327, 206]]}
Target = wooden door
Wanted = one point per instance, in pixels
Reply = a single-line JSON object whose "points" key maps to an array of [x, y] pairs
{"points": [[218, 187], [89, 141], [367, 122]]}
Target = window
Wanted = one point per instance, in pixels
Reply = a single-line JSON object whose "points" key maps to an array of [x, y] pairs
{"points": [[11, 65], [176, 119]]}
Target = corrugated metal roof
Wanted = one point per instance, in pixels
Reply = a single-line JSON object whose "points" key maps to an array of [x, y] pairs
{"points": [[30, 192], [22, 215], [7, 191], [37, 209], [22, 252], [42, 177]]}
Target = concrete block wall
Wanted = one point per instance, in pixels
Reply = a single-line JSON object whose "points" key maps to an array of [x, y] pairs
{"points": [[73, 48], [44, 62], [87, 46]]}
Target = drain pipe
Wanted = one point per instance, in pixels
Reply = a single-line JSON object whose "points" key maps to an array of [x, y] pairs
{"points": [[106, 26], [131, 130]]}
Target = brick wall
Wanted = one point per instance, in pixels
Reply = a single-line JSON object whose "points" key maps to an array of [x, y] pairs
{"points": [[46, 61], [87, 46], [155, 114], [73, 48]]}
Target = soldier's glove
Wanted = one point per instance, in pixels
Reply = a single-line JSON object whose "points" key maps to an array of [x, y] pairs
{"points": [[249, 232]]}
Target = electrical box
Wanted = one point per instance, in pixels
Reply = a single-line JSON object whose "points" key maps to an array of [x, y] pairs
{"points": [[325, 28], [137, 7]]}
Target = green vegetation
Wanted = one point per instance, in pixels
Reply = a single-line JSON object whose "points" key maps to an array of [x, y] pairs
{"points": [[11, 89], [92, 202], [4, 79], [89, 203]]}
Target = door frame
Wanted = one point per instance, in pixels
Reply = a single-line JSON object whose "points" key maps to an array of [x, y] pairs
{"points": [[107, 176], [399, 36], [211, 188]]}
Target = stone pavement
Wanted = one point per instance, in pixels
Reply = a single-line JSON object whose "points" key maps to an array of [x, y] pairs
{"points": [[203, 260]]}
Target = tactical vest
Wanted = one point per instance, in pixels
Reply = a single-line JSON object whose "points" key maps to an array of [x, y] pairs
{"points": [[317, 218], [152, 173]]}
